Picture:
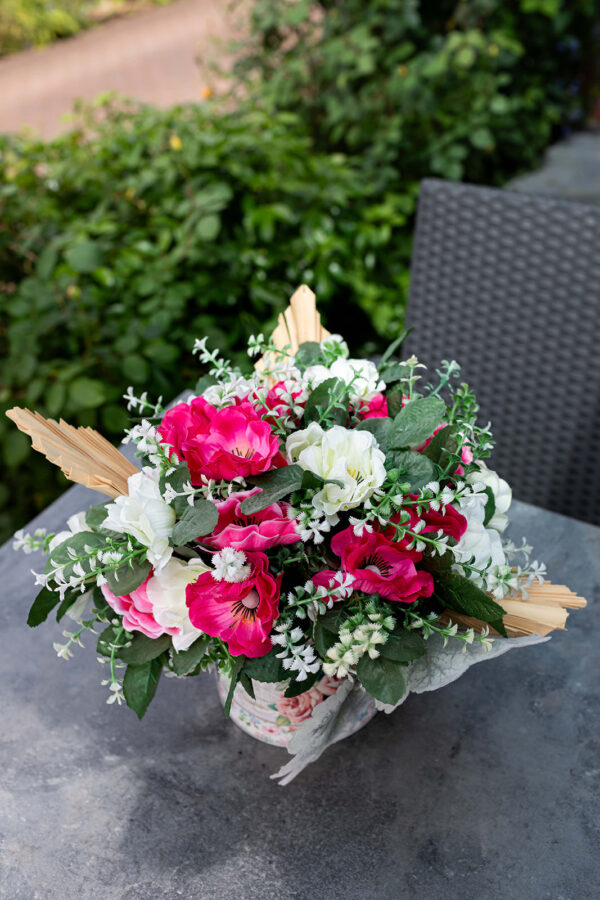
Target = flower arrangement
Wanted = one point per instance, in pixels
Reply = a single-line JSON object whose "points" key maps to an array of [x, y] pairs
{"points": [[324, 524]]}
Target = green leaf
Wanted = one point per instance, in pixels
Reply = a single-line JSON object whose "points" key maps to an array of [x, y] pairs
{"points": [[204, 382], [87, 393], [246, 683], [460, 595], [179, 476], [416, 422], [443, 444], [80, 543], [66, 604], [403, 646], [235, 677], [382, 678], [142, 648], [295, 688], [393, 347], [84, 257], [324, 638], [197, 520], [395, 372], [394, 397], [42, 606], [490, 506], [186, 660], [105, 638], [413, 467], [274, 485], [208, 227], [128, 577], [320, 400], [380, 428], [96, 515], [309, 353], [139, 685], [266, 668]]}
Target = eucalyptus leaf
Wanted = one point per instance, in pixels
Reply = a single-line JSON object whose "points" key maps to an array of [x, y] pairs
{"points": [[320, 400], [96, 515], [128, 577], [142, 648], [274, 485], [196, 521], [416, 421], [414, 468], [309, 353]]}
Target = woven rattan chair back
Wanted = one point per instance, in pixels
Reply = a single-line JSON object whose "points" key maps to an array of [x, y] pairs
{"points": [[509, 285]]}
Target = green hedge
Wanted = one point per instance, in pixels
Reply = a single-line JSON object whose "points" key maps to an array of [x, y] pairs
{"points": [[122, 241]]}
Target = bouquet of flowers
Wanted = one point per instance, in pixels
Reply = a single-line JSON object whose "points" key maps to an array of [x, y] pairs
{"points": [[322, 526]]}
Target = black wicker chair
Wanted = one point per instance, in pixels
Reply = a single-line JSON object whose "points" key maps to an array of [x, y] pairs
{"points": [[509, 285]]}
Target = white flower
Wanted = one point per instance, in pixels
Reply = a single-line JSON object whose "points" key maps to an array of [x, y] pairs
{"points": [[348, 456], [361, 375], [478, 541], [500, 489], [236, 388], [230, 565], [145, 516], [166, 592], [76, 523], [335, 346]]}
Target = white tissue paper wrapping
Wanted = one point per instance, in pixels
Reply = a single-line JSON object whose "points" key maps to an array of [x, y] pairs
{"points": [[335, 718]]}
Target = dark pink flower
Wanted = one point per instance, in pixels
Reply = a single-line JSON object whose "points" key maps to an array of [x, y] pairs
{"points": [[268, 528], [380, 566], [451, 522], [221, 444], [240, 613], [137, 611], [277, 399], [376, 408]]}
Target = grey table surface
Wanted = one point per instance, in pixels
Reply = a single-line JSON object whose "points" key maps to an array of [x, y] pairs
{"points": [[486, 789]]}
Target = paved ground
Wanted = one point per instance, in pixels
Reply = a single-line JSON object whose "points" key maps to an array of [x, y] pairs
{"points": [[159, 55], [571, 170]]}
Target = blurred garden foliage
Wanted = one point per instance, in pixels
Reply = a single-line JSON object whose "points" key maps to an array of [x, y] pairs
{"points": [[142, 228], [33, 23]]}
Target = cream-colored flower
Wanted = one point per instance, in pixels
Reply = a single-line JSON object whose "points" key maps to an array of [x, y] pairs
{"points": [[144, 515], [484, 544], [500, 489], [166, 592], [76, 523], [361, 375], [348, 456]]}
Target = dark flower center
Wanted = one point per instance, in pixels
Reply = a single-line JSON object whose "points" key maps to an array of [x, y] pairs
{"points": [[376, 563]]}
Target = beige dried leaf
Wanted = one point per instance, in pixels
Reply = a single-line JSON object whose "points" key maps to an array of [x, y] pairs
{"points": [[82, 454], [544, 610], [299, 323]]}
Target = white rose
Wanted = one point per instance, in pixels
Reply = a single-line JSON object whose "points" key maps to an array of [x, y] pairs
{"points": [[349, 456], [361, 375], [144, 515], [478, 541], [166, 592], [314, 376], [500, 489], [75, 523]]}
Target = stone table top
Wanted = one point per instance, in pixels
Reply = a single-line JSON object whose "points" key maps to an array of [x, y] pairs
{"points": [[486, 789]]}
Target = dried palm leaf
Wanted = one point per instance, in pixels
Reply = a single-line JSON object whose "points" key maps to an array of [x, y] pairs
{"points": [[544, 610], [82, 454], [299, 323]]}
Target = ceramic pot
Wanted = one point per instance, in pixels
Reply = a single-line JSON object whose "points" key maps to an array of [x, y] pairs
{"points": [[273, 718]]}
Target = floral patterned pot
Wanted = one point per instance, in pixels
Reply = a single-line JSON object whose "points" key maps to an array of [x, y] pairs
{"points": [[273, 718]]}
